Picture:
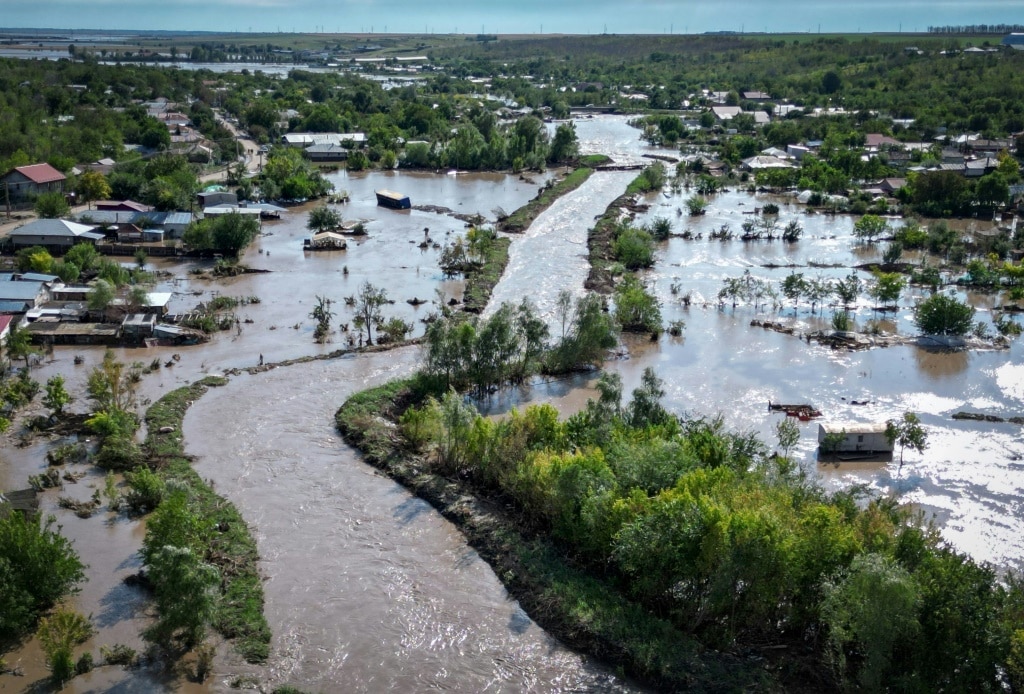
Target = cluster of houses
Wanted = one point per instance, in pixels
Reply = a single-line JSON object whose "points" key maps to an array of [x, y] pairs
{"points": [[57, 313]]}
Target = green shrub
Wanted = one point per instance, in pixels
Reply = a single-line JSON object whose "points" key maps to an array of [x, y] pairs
{"points": [[38, 567], [634, 248]]}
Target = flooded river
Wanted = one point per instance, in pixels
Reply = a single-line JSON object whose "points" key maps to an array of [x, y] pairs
{"points": [[367, 588]]}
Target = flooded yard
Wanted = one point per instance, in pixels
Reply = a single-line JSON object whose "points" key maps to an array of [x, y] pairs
{"points": [[367, 587]]}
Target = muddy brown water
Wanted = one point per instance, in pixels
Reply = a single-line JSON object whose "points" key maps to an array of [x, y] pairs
{"points": [[371, 590]]}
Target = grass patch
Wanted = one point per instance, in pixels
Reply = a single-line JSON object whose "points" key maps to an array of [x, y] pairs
{"points": [[593, 161], [480, 282], [585, 610], [522, 218], [232, 549]]}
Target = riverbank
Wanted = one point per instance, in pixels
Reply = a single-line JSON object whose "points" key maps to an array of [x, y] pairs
{"points": [[521, 219], [586, 611], [232, 549], [601, 239]]}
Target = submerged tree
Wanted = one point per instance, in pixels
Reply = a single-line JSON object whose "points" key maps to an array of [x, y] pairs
{"points": [[369, 302], [323, 316], [323, 218], [905, 432]]}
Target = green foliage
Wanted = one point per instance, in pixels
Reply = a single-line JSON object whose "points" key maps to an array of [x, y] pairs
{"points": [[660, 229], [52, 205], [58, 635], [887, 287], [870, 227], [588, 332], [34, 259], [323, 218], [650, 179], [38, 567], [101, 295], [564, 146], [872, 611], [905, 432], [228, 234], [505, 348], [697, 205], [636, 309], [185, 590], [57, 396], [941, 314], [145, 490], [368, 308], [634, 248], [84, 256]]}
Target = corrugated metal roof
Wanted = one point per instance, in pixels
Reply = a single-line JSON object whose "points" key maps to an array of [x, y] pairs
{"points": [[20, 291], [40, 173], [13, 306], [54, 227]]}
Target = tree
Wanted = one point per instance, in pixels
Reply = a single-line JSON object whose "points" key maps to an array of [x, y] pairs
{"points": [[992, 190], [793, 287], [230, 233], [92, 185], [871, 611], [323, 218], [636, 309], [368, 304], [697, 205], [941, 314], [887, 287], [58, 635], [590, 333], [57, 396], [788, 433], [905, 432], [323, 315], [35, 259], [84, 255], [38, 566], [565, 146], [101, 295], [186, 595], [869, 227], [634, 248], [51, 205], [848, 289], [111, 386], [19, 345]]}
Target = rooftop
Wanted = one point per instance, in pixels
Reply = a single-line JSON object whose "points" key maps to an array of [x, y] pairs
{"points": [[40, 173]]}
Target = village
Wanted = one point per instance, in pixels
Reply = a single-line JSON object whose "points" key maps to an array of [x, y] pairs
{"points": [[275, 244]]}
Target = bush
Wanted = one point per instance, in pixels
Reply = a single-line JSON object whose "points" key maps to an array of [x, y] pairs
{"points": [[634, 248], [636, 309], [119, 453], [940, 314], [38, 566], [146, 490]]}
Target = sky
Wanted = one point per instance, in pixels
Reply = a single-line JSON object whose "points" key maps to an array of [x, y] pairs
{"points": [[519, 16]]}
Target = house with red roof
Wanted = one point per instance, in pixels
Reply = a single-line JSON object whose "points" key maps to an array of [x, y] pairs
{"points": [[26, 182]]}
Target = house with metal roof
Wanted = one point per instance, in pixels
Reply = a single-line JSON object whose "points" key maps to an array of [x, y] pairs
{"points": [[328, 152], [23, 183], [57, 234], [22, 295]]}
